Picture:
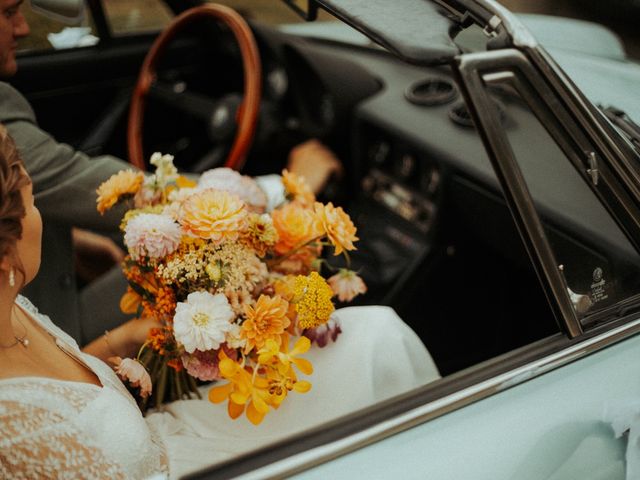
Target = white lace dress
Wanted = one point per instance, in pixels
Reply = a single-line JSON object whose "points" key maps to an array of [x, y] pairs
{"points": [[61, 429]]}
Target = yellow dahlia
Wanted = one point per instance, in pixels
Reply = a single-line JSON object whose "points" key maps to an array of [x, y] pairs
{"points": [[214, 215], [337, 225], [261, 235], [266, 321], [123, 183]]}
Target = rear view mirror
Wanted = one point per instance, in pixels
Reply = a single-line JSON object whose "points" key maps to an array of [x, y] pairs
{"points": [[70, 12]]}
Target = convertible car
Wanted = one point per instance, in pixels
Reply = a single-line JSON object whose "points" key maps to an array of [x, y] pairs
{"points": [[491, 166]]}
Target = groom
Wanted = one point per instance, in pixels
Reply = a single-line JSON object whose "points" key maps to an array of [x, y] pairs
{"points": [[64, 185]]}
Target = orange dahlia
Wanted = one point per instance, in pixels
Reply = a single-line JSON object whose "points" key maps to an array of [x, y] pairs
{"points": [[214, 215], [337, 225], [295, 225], [122, 184], [297, 188], [267, 320]]}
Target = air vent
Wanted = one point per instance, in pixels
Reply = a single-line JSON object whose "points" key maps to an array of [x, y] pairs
{"points": [[431, 91], [459, 113]]}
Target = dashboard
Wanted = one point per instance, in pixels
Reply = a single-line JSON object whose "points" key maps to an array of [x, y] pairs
{"points": [[421, 183]]}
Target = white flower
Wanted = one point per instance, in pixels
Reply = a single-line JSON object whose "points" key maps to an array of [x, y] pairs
{"points": [[234, 340], [177, 198], [202, 322], [242, 186], [166, 171], [151, 235]]}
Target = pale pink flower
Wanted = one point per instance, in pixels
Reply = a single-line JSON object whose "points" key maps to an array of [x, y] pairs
{"points": [[228, 180], [147, 196], [134, 373], [177, 198], [152, 235], [204, 365], [346, 284], [321, 335]]}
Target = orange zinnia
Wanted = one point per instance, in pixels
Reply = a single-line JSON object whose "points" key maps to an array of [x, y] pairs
{"points": [[266, 321], [214, 215], [295, 225], [337, 225], [123, 183]]}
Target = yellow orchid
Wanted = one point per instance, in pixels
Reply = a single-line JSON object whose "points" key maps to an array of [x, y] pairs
{"points": [[243, 387], [279, 356], [281, 384]]}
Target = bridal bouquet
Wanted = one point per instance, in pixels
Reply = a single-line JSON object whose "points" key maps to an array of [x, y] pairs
{"points": [[237, 290]]}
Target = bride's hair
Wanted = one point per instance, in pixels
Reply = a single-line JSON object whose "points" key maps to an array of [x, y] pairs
{"points": [[12, 178]]}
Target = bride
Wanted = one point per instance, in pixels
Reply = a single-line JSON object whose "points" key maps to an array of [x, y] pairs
{"points": [[64, 413]]}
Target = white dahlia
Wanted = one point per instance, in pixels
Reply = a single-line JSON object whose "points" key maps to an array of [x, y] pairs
{"points": [[203, 321]]}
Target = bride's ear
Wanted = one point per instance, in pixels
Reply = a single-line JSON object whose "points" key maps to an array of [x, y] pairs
{"points": [[6, 264], [7, 271], [8, 267]]}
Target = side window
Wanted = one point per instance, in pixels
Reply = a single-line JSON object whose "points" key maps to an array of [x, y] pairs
{"points": [[50, 34], [598, 262], [136, 16]]}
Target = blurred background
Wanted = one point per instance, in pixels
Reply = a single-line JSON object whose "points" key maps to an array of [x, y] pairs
{"points": [[621, 16]]}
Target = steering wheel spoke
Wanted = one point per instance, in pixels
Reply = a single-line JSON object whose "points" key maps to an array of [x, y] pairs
{"points": [[174, 95]]}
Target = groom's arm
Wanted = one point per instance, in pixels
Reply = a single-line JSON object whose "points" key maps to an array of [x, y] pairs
{"points": [[64, 179]]}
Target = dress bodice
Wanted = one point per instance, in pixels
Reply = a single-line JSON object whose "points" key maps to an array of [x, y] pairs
{"points": [[53, 428]]}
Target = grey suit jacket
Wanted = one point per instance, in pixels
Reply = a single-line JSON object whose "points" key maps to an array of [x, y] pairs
{"points": [[64, 186]]}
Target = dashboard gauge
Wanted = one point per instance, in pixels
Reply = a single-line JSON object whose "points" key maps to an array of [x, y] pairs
{"points": [[429, 179], [379, 152], [326, 110], [405, 165]]}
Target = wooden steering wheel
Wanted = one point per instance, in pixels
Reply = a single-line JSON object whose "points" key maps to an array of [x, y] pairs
{"points": [[247, 113]]}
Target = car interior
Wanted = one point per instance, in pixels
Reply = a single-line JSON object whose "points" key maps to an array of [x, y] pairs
{"points": [[437, 241]]}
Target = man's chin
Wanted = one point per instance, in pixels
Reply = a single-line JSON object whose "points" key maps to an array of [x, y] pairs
{"points": [[8, 70]]}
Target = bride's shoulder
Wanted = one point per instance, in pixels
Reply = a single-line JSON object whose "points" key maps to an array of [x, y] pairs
{"points": [[26, 304]]}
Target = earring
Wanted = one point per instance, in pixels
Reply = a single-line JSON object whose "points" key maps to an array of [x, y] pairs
{"points": [[12, 278]]}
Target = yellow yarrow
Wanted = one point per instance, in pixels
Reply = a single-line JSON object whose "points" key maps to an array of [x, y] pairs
{"points": [[312, 298]]}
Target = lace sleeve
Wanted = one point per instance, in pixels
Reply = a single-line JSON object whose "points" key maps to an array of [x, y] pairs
{"points": [[36, 443]]}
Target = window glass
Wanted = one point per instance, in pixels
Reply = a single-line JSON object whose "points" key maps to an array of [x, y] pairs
{"points": [[598, 262], [48, 33], [270, 13], [138, 16]]}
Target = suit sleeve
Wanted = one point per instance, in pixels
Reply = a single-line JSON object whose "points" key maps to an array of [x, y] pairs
{"points": [[64, 180]]}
